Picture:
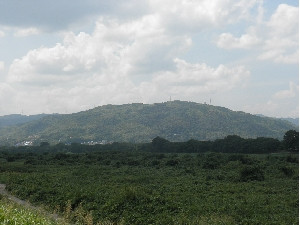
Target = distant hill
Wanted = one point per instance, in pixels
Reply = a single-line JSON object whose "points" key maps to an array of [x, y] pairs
{"points": [[294, 121], [17, 119], [174, 120]]}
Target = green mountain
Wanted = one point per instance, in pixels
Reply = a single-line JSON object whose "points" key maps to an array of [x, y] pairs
{"points": [[175, 121]]}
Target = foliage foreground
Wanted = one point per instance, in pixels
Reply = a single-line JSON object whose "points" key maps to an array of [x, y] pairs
{"points": [[110, 187], [12, 214]]}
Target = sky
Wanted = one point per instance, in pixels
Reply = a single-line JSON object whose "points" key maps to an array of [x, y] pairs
{"points": [[65, 56]]}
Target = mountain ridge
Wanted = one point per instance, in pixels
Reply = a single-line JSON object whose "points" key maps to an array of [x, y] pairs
{"points": [[137, 122]]}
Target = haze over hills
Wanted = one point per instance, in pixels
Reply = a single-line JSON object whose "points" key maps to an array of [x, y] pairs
{"points": [[17, 119], [174, 120], [294, 121]]}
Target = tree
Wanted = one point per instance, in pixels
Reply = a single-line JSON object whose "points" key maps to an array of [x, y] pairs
{"points": [[160, 144], [291, 140]]}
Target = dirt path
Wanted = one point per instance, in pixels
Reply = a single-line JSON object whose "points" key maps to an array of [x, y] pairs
{"points": [[26, 204], [5, 193]]}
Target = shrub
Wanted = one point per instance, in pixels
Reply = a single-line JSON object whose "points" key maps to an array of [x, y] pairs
{"points": [[155, 163], [292, 159], [213, 161], [288, 171], [172, 162], [252, 173]]}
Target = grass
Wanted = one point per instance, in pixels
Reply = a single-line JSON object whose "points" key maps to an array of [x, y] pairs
{"points": [[13, 214]]}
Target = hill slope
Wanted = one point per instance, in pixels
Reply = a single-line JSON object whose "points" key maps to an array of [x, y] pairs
{"points": [[294, 121], [175, 121]]}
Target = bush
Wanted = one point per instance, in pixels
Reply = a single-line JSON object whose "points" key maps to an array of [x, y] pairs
{"points": [[213, 161], [288, 171], [172, 162], [252, 173], [292, 159]]}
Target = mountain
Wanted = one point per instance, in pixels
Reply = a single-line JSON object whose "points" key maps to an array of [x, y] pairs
{"points": [[17, 119], [173, 120], [294, 121]]}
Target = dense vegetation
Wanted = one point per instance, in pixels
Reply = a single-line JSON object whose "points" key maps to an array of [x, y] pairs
{"points": [[175, 121], [121, 184]]}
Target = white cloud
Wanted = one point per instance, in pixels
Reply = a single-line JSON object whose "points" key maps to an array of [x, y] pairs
{"points": [[192, 15], [2, 66], [290, 93], [281, 46], [190, 80], [284, 21], [2, 34], [276, 39], [114, 48], [24, 32], [102, 67], [246, 41]]}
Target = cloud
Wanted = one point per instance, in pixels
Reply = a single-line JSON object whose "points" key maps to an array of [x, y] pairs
{"points": [[2, 66], [284, 20], [282, 43], [138, 47], [181, 15], [178, 14], [24, 32], [2, 34], [114, 48], [119, 62], [276, 39], [290, 93], [193, 79], [246, 41]]}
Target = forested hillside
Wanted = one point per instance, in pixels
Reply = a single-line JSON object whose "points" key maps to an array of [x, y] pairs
{"points": [[175, 121]]}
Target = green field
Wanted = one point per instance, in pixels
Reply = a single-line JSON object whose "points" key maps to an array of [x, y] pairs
{"points": [[127, 187]]}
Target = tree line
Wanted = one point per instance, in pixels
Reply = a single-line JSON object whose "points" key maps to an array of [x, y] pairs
{"points": [[229, 144]]}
